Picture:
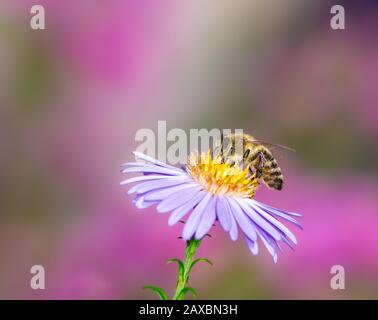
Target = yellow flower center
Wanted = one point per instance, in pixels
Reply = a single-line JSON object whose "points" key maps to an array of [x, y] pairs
{"points": [[221, 178]]}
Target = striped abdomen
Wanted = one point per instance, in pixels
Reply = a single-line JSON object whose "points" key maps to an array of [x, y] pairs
{"points": [[265, 166]]}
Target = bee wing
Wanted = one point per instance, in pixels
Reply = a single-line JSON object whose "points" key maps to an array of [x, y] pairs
{"points": [[273, 145]]}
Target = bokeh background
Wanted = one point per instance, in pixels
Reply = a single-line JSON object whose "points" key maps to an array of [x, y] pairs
{"points": [[73, 96]]}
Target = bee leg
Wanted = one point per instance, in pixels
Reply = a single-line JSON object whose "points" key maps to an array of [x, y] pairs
{"points": [[259, 165], [221, 148], [253, 173], [226, 151], [231, 162], [258, 173]]}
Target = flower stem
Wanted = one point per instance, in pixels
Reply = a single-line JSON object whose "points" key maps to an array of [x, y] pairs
{"points": [[183, 276]]}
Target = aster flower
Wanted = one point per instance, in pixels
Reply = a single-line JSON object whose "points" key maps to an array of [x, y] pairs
{"points": [[210, 191], [207, 190]]}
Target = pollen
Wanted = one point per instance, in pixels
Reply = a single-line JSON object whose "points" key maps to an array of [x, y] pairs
{"points": [[221, 178]]}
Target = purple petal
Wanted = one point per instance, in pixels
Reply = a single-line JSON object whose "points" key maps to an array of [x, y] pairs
{"points": [[234, 227], [256, 218], [133, 164], [269, 242], [139, 155], [194, 219], [253, 246], [161, 194], [278, 213], [275, 222], [144, 178], [158, 184], [140, 203], [180, 212], [223, 213], [128, 165], [242, 219], [276, 209], [290, 244], [207, 219], [177, 199], [152, 169]]}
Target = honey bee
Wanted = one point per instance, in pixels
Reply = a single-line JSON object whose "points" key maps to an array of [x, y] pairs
{"points": [[248, 151]]}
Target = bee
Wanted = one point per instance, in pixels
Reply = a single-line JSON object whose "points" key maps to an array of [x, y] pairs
{"points": [[248, 151]]}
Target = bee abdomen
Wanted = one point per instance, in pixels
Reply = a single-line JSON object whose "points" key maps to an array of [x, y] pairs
{"points": [[274, 183], [272, 175]]}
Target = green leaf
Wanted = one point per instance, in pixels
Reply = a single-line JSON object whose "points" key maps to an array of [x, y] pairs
{"points": [[185, 290], [159, 291], [180, 266], [199, 260]]}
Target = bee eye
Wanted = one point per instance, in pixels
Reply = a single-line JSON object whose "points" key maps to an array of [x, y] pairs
{"points": [[246, 153]]}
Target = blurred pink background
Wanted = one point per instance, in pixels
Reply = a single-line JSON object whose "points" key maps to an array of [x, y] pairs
{"points": [[72, 97]]}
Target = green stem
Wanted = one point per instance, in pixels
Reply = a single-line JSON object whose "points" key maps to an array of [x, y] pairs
{"points": [[182, 279]]}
